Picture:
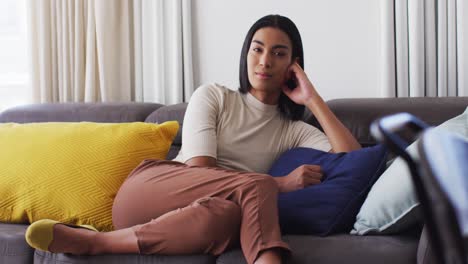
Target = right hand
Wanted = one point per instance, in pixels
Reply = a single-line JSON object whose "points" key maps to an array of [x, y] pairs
{"points": [[304, 91], [301, 177]]}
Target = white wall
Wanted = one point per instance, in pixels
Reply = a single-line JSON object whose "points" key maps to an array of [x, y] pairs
{"points": [[341, 41]]}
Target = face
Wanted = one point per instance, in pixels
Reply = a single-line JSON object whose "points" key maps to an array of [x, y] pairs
{"points": [[268, 60]]}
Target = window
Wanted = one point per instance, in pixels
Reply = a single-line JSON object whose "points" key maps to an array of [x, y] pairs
{"points": [[14, 55]]}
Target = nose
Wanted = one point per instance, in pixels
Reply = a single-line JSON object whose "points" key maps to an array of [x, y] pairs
{"points": [[265, 60]]}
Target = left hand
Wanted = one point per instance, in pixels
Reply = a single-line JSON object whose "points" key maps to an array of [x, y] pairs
{"points": [[303, 176], [304, 91]]}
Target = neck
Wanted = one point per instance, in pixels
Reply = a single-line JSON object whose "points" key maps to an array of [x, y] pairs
{"points": [[265, 97]]}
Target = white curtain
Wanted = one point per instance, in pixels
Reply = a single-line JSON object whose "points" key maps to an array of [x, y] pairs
{"points": [[424, 48], [163, 45], [108, 50]]}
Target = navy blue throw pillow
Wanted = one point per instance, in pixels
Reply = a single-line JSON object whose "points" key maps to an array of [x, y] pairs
{"points": [[331, 206]]}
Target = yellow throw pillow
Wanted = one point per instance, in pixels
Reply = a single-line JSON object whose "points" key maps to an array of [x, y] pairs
{"points": [[71, 172]]}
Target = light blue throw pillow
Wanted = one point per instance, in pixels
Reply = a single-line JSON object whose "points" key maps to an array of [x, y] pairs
{"points": [[391, 205]]}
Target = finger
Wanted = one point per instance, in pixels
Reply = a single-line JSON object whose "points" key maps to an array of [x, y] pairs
{"points": [[299, 73], [297, 60], [312, 182], [317, 168], [296, 68], [286, 89], [290, 73], [313, 169], [287, 74], [314, 176]]}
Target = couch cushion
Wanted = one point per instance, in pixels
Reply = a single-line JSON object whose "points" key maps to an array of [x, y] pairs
{"points": [[41, 257], [426, 254], [342, 248], [77, 112], [13, 246]]}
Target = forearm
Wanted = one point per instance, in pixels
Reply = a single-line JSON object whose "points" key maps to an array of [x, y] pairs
{"points": [[202, 161], [339, 136], [281, 184]]}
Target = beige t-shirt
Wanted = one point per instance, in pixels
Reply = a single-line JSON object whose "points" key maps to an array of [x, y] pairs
{"points": [[240, 131]]}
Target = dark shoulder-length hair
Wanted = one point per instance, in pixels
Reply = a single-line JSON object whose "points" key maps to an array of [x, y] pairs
{"points": [[287, 107]]}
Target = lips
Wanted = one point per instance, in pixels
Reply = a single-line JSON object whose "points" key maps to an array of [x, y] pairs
{"points": [[263, 75]]}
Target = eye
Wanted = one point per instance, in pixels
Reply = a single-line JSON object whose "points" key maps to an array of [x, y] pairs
{"points": [[256, 49], [279, 53]]}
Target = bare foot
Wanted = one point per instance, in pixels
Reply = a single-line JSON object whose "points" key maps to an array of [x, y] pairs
{"points": [[76, 241]]}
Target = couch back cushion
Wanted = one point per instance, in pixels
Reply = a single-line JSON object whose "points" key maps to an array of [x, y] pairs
{"points": [[174, 112], [356, 114], [71, 172], [78, 112]]}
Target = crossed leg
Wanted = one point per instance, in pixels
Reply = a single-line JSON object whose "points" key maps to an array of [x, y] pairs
{"points": [[246, 201], [209, 225]]}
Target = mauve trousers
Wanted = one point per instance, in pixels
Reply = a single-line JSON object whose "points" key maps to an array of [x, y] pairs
{"points": [[179, 209]]}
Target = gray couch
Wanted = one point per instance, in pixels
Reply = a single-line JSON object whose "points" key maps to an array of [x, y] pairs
{"points": [[357, 114]]}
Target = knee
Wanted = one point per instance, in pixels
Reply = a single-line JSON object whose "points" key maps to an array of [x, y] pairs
{"points": [[225, 213], [222, 222], [232, 213]]}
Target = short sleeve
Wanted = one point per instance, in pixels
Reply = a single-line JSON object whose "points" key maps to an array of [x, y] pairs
{"points": [[308, 136], [200, 122]]}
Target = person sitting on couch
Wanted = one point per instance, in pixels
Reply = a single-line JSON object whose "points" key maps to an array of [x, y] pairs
{"points": [[216, 193]]}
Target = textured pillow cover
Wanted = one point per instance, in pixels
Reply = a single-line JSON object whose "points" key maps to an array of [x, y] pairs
{"points": [[391, 205], [331, 206], [71, 172]]}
